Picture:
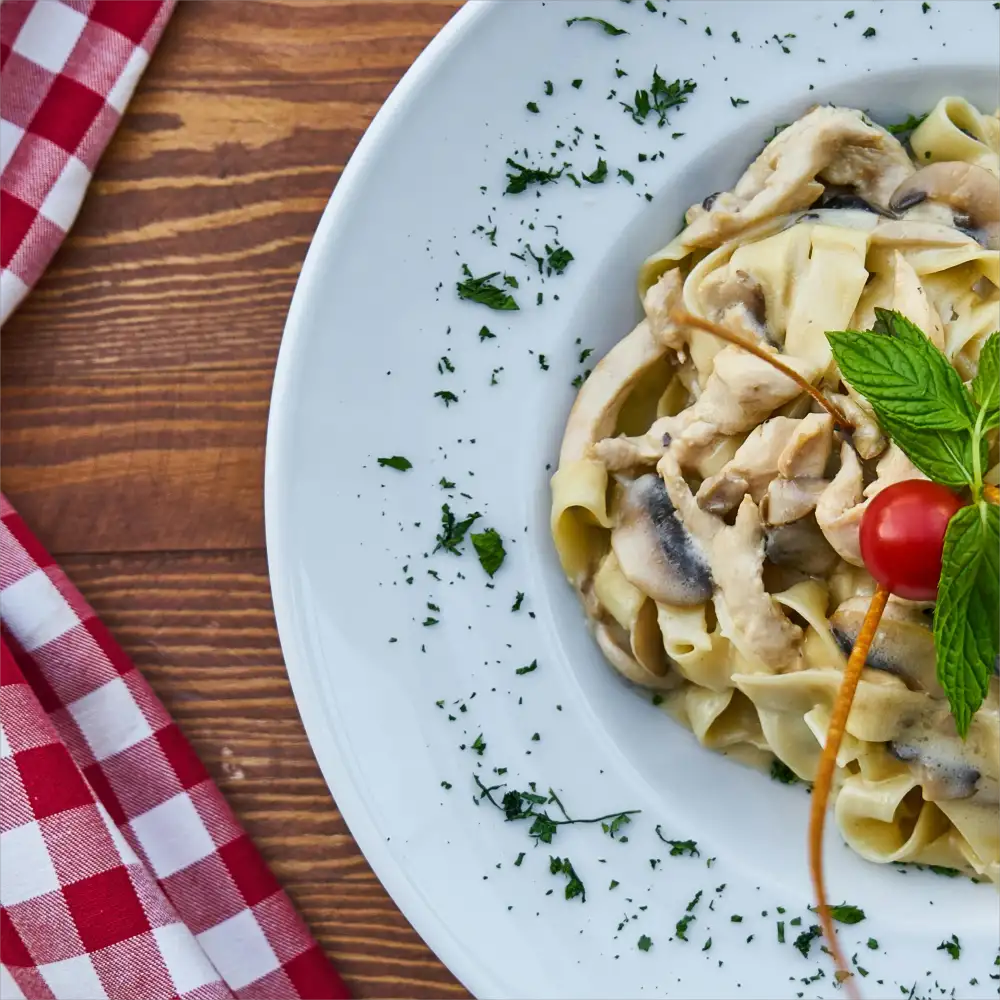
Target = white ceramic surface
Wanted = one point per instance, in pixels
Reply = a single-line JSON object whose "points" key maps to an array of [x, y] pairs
{"points": [[374, 311]]}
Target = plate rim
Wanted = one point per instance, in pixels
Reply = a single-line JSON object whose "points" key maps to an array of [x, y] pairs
{"points": [[348, 797]]}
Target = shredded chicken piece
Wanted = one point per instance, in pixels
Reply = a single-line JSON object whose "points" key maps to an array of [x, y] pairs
{"points": [[867, 436], [788, 500], [839, 508], [621, 453], [836, 145], [736, 559], [808, 450], [661, 299], [893, 467]]}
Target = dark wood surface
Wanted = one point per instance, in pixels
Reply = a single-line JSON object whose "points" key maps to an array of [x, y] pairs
{"points": [[135, 383]]}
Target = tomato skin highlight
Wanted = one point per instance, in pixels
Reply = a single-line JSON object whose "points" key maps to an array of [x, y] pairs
{"points": [[902, 535]]}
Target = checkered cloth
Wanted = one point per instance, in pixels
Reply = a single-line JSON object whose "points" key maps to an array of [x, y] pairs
{"points": [[123, 873], [67, 70]]}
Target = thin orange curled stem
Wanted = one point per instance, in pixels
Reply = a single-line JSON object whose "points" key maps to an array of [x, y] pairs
{"points": [[683, 318], [824, 775]]}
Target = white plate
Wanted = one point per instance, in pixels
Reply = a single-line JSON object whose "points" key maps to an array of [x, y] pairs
{"points": [[374, 311]]}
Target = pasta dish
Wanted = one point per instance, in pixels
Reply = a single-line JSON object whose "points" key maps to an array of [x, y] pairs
{"points": [[707, 510]]}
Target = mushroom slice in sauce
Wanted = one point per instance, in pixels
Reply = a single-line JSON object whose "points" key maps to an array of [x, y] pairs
{"points": [[800, 545], [736, 557], [968, 193], [903, 645], [655, 551]]}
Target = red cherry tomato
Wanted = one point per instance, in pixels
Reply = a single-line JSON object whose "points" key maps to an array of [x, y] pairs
{"points": [[902, 535]]}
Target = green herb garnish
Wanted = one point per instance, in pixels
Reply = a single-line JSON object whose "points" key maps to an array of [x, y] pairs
{"points": [[597, 175], [516, 606], [482, 290], [900, 128], [518, 182], [485, 334], [780, 771], [627, 175], [577, 84], [737, 101], [868, 33], [659, 98], [532, 107], [678, 848], [845, 913], [489, 548], [609, 29], [453, 531], [558, 259], [479, 745], [574, 887], [447, 396], [953, 947], [548, 88], [530, 668], [396, 462], [920, 401], [804, 941]]}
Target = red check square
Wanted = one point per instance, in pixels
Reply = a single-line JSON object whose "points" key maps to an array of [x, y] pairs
{"points": [[66, 114], [110, 893], [54, 784]]}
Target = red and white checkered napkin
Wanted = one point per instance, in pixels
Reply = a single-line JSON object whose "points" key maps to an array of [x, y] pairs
{"points": [[67, 70], [123, 873]]}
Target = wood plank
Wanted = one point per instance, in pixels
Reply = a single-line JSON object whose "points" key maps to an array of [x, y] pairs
{"points": [[201, 629]]}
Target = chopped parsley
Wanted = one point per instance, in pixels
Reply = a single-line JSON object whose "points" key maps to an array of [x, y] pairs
{"points": [[900, 128], [651, 7], [577, 84], [644, 943], [848, 15], [486, 334], [453, 531], [532, 107], [446, 785], [548, 88], [869, 33], [736, 919], [446, 484], [427, 622], [482, 290], [953, 947], [736, 37], [574, 887], [518, 860], [598, 174], [781, 932], [518, 182], [531, 667], [446, 395], [396, 462], [627, 174], [445, 365], [558, 258], [844, 913], [872, 944], [659, 98], [516, 606], [613, 828], [489, 548], [780, 771], [479, 745], [542, 361], [925, 7], [679, 847], [804, 941], [609, 29], [737, 101], [614, 884], [682, 926]]}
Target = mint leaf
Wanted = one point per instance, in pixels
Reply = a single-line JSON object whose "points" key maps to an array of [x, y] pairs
{"points": [[967, 613], [905, 375], [489, 548], [986, 384]]}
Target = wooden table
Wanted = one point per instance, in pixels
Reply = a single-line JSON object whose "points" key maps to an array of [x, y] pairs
{"points": [[135, 386]]}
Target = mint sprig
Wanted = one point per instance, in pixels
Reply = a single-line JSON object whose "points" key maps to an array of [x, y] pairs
{"points": [[967, 613], [922, 404]]}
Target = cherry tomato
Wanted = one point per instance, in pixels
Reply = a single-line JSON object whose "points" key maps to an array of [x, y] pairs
{"points": [[902, 535]]}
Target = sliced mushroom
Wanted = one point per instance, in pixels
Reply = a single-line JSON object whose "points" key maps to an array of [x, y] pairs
{"points": [[655, 551], [903, 645], [969, 191], [787, 500], [940, 764], [838, 198], [800, 545], [614, 644], [735, 299]]}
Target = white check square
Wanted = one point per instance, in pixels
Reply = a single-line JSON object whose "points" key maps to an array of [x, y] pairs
{"points": [[122, 90], [184, 958], [110, 719], [35, 611], [73, 977], [66, 196], [239, 950], [32, 873], [49, 34], [172, 835], [10, 137]]}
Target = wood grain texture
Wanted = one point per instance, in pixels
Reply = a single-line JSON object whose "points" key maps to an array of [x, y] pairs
{"points": [[134, 390]]}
